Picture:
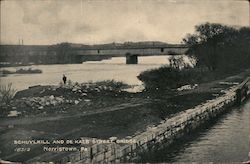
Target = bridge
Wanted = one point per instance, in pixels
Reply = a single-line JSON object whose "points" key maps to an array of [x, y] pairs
{"points": [[66, 53], [131, 52]]}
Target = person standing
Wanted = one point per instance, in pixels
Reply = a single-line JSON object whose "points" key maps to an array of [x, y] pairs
{"points": [[64, 79]]}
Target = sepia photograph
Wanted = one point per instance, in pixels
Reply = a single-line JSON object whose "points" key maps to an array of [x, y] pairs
{"points": [[124, 81]]}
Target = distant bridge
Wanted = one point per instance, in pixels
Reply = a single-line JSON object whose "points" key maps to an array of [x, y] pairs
{"points": [[72, 53], [131, 53]]}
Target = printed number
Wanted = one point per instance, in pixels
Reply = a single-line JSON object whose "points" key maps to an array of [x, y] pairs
{"points": [[22, 149]]}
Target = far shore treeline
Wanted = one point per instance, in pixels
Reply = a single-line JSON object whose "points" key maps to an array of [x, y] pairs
{"points": [[219, 50]]}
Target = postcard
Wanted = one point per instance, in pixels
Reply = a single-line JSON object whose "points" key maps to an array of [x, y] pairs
{"points": [[124, 81]]}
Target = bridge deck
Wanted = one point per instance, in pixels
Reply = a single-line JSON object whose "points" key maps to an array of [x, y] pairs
{"points": [[146, 51]]}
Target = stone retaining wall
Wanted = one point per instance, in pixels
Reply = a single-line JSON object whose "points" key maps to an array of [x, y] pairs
{"points": [[165, 132]]}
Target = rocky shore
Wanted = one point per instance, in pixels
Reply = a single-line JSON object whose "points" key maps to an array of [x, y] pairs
{"points": [[62, 98]]}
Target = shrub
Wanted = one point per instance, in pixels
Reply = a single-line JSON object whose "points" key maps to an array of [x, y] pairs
{"points": [[6, 93], [170, 78]]}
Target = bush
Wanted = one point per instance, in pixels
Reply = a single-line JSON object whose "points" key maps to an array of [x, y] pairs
{"points": [[6, 93], [170, 78]]}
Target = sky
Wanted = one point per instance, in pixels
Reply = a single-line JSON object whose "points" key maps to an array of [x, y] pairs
{"points": [[104, 21]]}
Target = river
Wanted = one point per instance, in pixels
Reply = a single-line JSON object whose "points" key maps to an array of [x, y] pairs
{"points": [[222, 140], [112, 69]]}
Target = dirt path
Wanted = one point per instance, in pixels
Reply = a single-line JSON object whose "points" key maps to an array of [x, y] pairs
{"points": [[33, 120]]}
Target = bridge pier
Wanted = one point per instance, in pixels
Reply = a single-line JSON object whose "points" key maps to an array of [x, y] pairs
{"points": [[131, 59]]}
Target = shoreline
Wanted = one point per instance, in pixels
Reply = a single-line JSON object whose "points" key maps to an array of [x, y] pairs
{"points": [[107, 114]]}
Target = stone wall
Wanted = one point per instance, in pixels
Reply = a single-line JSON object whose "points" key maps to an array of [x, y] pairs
{"points": [[164, 132], [152, 138]]}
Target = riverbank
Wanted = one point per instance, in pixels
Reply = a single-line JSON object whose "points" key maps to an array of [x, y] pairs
{"points": [[96, 112]]}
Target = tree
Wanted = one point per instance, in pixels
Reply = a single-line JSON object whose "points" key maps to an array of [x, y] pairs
{"points": [[219, 47]]}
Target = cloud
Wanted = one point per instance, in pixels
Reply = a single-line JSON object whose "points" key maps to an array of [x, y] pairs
{"points": [[98, 21], [34, 10]]}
